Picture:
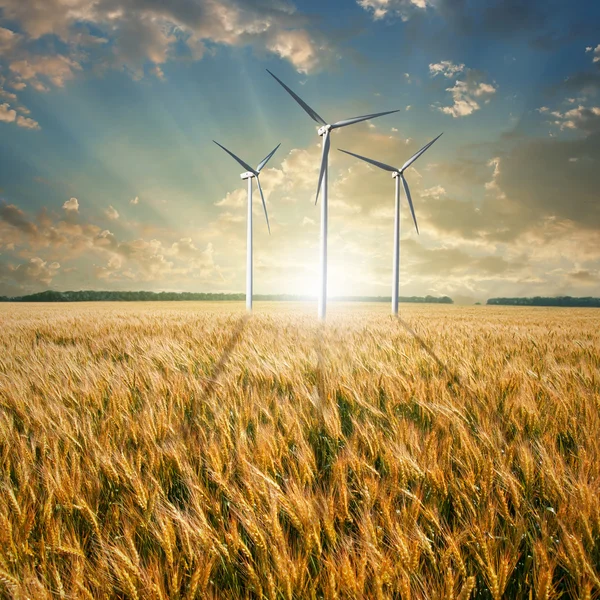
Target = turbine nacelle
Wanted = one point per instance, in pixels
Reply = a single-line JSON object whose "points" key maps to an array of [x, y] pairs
{"points": [[253, 173], [323, 130], [398, 173]]}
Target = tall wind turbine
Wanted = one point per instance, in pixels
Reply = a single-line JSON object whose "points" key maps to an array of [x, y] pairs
{"points": [[251, 174], [397, 174], [325, 132]]}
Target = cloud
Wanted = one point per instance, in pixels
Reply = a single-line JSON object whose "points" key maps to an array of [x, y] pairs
{"points": [[235, 199], [446, 68], [8, 40], [537, 200], [32, 275], [141, 32], [434, 192], [404, 9], [71, 205], [581, 118], [134, 201], [143, 260], [297, 47], [586, 82], [454, 261], [466, 94], [14, 216], [140, 37], [111, 213], [540, 176], [50, 240], [7, 114], [37, 70], [595, 53], [493, 18], [27, 123], [586, 277]]}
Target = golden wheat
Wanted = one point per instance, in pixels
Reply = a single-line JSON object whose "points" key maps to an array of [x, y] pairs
{"points": [[188, 451]]}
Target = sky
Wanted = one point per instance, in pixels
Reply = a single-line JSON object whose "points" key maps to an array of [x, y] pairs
{"points": [[109, 178]]}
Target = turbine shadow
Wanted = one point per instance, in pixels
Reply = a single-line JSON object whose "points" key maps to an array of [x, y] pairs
{"points": [[429, 350], [320, 392], [233, 341]]}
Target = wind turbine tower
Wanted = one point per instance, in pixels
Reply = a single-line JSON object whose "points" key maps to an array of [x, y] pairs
{"points": [[249, 175], [398, 175], [325, 132]]}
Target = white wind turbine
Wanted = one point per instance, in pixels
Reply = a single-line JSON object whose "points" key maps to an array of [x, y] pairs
{"points": [[397, 174], [249, 175], [325, 132]]}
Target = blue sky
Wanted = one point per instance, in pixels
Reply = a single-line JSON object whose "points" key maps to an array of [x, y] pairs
{"points": [[109, 178]]}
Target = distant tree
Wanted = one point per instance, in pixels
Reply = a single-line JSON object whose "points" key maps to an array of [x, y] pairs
{"points": [[585, 302], [144, 296]]}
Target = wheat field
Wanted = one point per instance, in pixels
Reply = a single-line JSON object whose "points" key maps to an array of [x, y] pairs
{"points": [[186, 450]]}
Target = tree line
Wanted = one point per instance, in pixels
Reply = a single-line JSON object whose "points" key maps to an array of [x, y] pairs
{"points": [[116, 296], [585, 302]]}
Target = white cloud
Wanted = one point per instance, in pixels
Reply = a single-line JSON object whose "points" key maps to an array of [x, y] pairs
{"points": [[434, 192], [135, 200], [111, 213], [583, 118], [235, 199], [468, 94], [297, 47], [446, 68], [595, 52], [71, 205], [388, 8]]}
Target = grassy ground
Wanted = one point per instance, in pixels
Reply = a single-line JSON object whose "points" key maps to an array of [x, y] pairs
{"points": [[186, 451]]}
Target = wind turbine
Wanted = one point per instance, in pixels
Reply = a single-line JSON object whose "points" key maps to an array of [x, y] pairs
{"points": [[397, 174], [325, 132], [251, 174]]}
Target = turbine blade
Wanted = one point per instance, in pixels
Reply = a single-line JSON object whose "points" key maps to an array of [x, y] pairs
{"points": [[239, 160], [263, 203], [371, 161], [412, 208], [414, 157], [311, 113], [265, 160], [346, 122], [324, 157]]}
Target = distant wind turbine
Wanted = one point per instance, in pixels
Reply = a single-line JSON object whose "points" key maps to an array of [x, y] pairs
{"points": [[325, 132], [249, 175], [397, 174]]}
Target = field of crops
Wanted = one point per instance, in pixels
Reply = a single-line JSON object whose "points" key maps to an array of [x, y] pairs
{"points": [[184, 450]]}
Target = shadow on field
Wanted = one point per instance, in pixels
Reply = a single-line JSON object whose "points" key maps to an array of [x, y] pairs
{"points": [[233, 341], [429, 350]]}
